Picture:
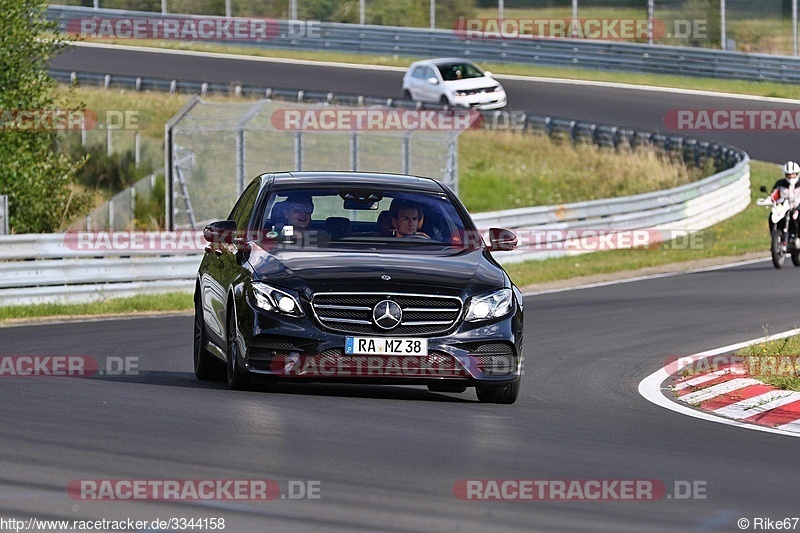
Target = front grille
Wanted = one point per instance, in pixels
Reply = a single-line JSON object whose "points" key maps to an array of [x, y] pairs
{"points": [[352, 313], [470, 92]]}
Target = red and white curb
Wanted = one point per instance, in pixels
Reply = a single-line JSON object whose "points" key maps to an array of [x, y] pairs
{"points": [[726, 395]]}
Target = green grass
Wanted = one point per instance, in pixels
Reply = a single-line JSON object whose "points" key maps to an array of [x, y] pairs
{"points": [[775, 363], [504, 170], [142, 303]]}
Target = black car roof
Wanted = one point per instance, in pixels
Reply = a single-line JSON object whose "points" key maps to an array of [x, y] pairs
{"points": [[365, 179]]}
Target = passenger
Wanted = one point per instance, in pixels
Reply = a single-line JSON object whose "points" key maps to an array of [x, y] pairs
{"points": [[297, 211], [406, 218]]}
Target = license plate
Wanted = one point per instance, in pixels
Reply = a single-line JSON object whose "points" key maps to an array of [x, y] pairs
{"points": [[385, 346]]}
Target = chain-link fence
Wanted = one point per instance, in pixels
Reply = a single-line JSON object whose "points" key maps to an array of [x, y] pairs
{"points": [[138, 207], [214, 149]]}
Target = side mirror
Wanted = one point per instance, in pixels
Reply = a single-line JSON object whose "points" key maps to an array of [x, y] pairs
{"points": [[220, 232], [433, 81], [502, 240], [487, 73], [763, 189]]}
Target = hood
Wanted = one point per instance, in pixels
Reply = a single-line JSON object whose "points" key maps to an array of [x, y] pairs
{"points": [[416, 269], [471, 83]]}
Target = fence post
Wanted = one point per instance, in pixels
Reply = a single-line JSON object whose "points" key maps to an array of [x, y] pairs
{"points": [[451, 176], [169, 216], [405, 154], [137, 148], [298, 151], [4, 215], [354, 151], [133, 208]]}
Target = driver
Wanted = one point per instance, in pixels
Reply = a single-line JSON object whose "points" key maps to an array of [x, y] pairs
{"points": [[784, 190], [406, 218]]}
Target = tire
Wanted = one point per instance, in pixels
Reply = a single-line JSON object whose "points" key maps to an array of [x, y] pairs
{"points": [[506, 394], [407, 95], [447, 387], [206, 366], [237, 380], [444, 101], [796, 258], [777, 251]]}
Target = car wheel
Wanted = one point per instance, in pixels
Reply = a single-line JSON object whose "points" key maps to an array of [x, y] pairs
{"points": [[504, 394], [206, 366], [444, 101], [446, 387], [407, 95], [237, 380]]}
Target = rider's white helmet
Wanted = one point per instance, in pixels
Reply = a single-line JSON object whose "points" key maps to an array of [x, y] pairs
{"points": [[792, 172], [791, 167]]}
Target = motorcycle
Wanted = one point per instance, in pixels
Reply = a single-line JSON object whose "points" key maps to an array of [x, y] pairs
{"points": [[783, 241]]}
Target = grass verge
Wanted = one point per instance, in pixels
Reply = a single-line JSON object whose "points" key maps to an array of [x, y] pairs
{"points": [[177, 301], [775, 363]]}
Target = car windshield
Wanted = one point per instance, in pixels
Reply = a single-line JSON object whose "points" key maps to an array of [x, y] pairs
{"points": [[459, 71], [335, 215]]}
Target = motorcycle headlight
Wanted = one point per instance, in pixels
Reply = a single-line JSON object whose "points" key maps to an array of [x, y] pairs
{"points": [[275, 300], [489, 306]]}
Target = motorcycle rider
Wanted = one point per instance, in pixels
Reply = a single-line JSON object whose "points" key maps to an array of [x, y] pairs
{"points": [[786, 190]]}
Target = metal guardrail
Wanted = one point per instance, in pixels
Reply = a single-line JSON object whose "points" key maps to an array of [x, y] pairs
{"points": [[414, 42], [84, 266]]}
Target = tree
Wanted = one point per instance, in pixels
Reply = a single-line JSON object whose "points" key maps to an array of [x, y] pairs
{"points": [[37, 180]]}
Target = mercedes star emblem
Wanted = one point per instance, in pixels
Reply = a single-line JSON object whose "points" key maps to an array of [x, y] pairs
{"points": [[387, 314]]}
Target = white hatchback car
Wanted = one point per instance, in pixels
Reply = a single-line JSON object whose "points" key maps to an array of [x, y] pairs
{"points": [[454, 82]]}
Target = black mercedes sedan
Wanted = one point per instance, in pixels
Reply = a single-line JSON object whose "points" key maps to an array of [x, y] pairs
{"points": [[358, 278]]}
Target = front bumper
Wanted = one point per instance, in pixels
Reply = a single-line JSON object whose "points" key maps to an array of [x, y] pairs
{"points": [[282, 348]]}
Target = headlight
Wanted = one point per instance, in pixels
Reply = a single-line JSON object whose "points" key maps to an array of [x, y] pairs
{"points": [[498, 89], [493, 305], [275, 300]]}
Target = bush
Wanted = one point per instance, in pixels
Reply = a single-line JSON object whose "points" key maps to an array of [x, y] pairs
{"points": [[37, 180]]}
